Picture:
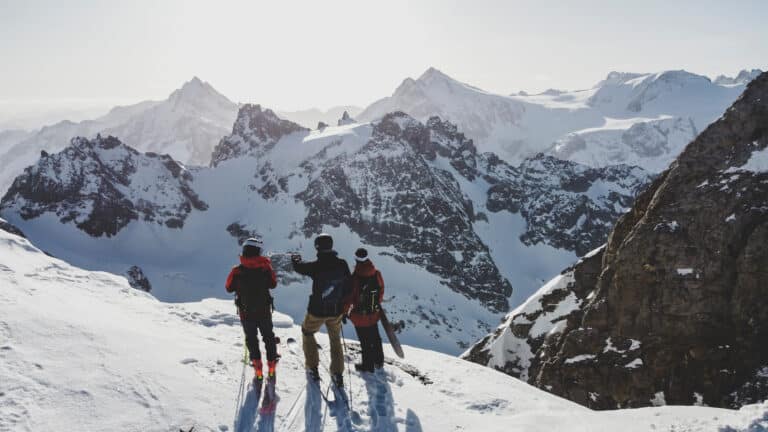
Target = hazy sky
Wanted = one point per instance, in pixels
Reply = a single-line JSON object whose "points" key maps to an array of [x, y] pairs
{"points": [[298, 54]]}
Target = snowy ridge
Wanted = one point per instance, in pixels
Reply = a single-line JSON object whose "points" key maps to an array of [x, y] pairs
{"points": [[156, 367], [630, 118]]}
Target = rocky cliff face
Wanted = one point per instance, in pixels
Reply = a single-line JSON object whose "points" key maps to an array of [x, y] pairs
{"points": [[255, 131], [565, 204], [677, 312], [389, 194], [101, 185], [515, 347]]}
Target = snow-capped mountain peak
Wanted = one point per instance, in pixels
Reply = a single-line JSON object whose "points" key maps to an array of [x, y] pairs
{"points": [[255, 130], [670, 108], [196, 91]]}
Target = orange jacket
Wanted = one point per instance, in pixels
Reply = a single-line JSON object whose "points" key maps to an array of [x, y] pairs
{"points": [[363, 270]]}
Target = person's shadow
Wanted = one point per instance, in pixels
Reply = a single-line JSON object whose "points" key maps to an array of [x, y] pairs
{"points": [[312, 406], [381, 405]]}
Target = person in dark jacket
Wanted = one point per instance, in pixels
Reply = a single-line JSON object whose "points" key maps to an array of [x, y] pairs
{"points": [[251, 282], [330, 285], [364, 306]]}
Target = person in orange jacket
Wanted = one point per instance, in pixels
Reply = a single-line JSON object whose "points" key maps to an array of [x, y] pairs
{"points": [[251, 282], [364, 306]]}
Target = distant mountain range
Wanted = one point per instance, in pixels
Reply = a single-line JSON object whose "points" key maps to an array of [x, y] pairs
{"points": [[187, 124], [630, 118]]}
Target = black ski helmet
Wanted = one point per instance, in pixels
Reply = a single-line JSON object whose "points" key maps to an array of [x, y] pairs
{"points": [[252, 247], [324, 242], [361, 255]]}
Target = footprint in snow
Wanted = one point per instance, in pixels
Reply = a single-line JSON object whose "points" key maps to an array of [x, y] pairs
{"points": [[189, 361]]}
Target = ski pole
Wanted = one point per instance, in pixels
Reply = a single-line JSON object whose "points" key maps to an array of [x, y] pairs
{"points": [[349, 371]]}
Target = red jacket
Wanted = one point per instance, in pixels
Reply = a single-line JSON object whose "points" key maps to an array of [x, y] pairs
{"points": [[363, 270], [254, 263], [237, 277]]}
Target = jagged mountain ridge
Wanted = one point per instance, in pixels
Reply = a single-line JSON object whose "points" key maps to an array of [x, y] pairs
{"points": [[636, 119], [101, 185], [673, 309], [428, 205]]}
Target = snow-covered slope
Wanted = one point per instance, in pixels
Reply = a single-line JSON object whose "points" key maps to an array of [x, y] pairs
{"points": [[83, 351], [454, 231], [636, 119], [187, 126]]}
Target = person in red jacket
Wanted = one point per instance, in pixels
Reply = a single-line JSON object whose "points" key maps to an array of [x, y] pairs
{"points": [[364, 306], [251, 282]]}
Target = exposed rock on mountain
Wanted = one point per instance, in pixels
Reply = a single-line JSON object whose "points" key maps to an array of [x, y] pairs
{"points": [[313, 116], [566, 205], [345, 119], [8, 227], [677, 311], [514, 346], [255, 132], [387, 193], [101, 185], [137, 279]]}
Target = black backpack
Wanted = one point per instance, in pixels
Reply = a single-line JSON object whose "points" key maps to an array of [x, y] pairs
{"points": [[331, 287], [253, 295], [370, 292]]}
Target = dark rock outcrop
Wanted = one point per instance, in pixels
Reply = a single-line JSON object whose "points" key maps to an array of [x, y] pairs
{"points": [[137, 279], [255, 131], [345, 119], [513, 347], [101, 185], [389, 194], [9, 227], [565, 204]]}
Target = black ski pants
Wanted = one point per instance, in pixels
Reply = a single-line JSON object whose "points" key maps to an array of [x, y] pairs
{"points": [[370, 343], [252, 327]]}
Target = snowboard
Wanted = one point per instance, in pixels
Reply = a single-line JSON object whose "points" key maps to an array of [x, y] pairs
{"points": [[390, 331]]}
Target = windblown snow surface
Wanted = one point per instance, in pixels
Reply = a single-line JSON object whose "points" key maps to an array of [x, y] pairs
{"points": [[82, 351]]}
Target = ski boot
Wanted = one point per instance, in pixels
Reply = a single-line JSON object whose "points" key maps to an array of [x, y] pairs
{"points": [[338, 380], [271, 366], [257, 366], [313, 373], [362, 367]]}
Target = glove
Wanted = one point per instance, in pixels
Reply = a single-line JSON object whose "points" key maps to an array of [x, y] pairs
{"points": [[344, 319], [296, 258]]}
